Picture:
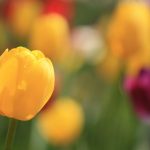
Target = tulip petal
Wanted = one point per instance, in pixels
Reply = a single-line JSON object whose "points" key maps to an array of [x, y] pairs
{"points": [[38, 83], [8, 82]]}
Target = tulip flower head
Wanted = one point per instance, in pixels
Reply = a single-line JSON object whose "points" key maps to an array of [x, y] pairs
{"points": [[88, 43], [62, 7], [62, 123], [138, 89], [20, 15], [129, 30], [26, 82], [51, 34]]}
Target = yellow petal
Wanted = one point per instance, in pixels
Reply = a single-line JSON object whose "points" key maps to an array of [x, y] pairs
{"points": [[26, 83], [38, 83], [8, 84]]}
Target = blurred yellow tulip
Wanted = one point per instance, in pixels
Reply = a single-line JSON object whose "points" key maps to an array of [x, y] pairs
{"points": [[129, 30], [62, 122], [51, 34], [23, 16], [26, 82]]}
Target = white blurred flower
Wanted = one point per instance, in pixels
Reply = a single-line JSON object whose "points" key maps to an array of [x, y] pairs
{"points": [[88, 42]]}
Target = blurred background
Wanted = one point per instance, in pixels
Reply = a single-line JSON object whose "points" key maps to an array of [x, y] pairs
{"points": [[94, 45]]}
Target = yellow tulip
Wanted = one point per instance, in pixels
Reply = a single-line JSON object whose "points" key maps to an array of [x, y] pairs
{"points": [[129, 30], [51, 34], [62, 122], [26, 82], [22, 18]]}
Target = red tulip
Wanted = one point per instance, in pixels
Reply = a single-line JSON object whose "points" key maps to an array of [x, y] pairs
{"points": [[63, 7]]}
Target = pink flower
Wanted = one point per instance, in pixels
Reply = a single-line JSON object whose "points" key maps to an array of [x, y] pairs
{"points": [[138, 89]]}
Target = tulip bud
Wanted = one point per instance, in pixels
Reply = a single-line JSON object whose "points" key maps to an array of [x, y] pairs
{"points": [[62, 123], [129, 30], [138, 89], [88, 43], [62, 7], [51, 34], [26, 82], [20, 15]]}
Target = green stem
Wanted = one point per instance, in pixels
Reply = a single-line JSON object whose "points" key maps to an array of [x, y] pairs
{"points": [[10, 134]]}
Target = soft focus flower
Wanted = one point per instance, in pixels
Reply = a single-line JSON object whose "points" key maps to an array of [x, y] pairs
{"points": [[88, 43], [20, 15], [51, 34], [138, 89], [26, 82], [62, 123], [62, 7], [129, 30], [7, 8]]}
